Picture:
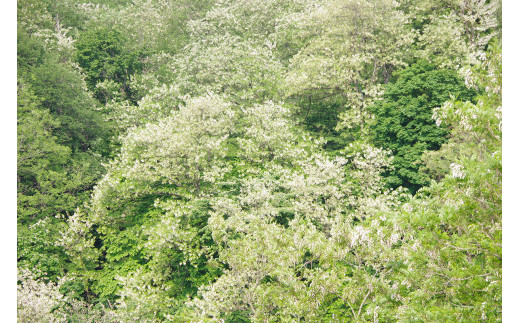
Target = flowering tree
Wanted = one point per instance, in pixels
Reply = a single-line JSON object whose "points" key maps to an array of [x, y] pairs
{"points": [[299, 242], [352, 47], [457, 31], [163, 169]]}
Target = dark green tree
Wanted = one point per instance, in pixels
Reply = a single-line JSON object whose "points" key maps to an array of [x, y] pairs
{"points": [[60, 135], [404, 122], [100, 53], [30, 52], [51, 180], [62, 93]]}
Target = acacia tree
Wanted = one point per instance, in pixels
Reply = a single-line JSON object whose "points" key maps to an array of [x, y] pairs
{"points": [[143, 207], [301, 244], [234, 49], [456, 32], [352, 47]]}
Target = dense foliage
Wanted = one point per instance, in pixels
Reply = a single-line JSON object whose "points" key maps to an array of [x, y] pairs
{"points": [[99, 53], [261, 160], [403, 119]]}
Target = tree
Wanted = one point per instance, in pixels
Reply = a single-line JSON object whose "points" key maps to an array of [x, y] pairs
{"points": [[457, 222], [233, 49], [403, 120], [51, 182], [62, 92], [148, 210], [351, 48], [100, 53], [228, 65], [456, 32]]}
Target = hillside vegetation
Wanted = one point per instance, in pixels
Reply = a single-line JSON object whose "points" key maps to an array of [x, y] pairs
{"points": [[259, 161]]}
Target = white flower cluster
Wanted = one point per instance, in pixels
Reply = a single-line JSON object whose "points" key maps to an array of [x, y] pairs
{"points": [[440, 114], [457, 171]]}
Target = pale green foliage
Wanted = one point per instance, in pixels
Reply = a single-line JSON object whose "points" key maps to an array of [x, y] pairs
{"points": [[179, 156], [158, 71], [291, 32], [42, 300], [184, 149], [110, 90], [228, 64], [159, 103], [59, 41], [269, 134], [444, 35], [171, 232], [37, 247], [78, 240], [35, 19], [458, 30], [352, 47], [35, 298], [256, 20], [287, 271], [233, 49], [33, 16], [143, 20], [142, 297], [155, 26]]}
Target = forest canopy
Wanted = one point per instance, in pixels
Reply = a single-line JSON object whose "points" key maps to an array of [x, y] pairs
{"points": [[259, 161]]}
